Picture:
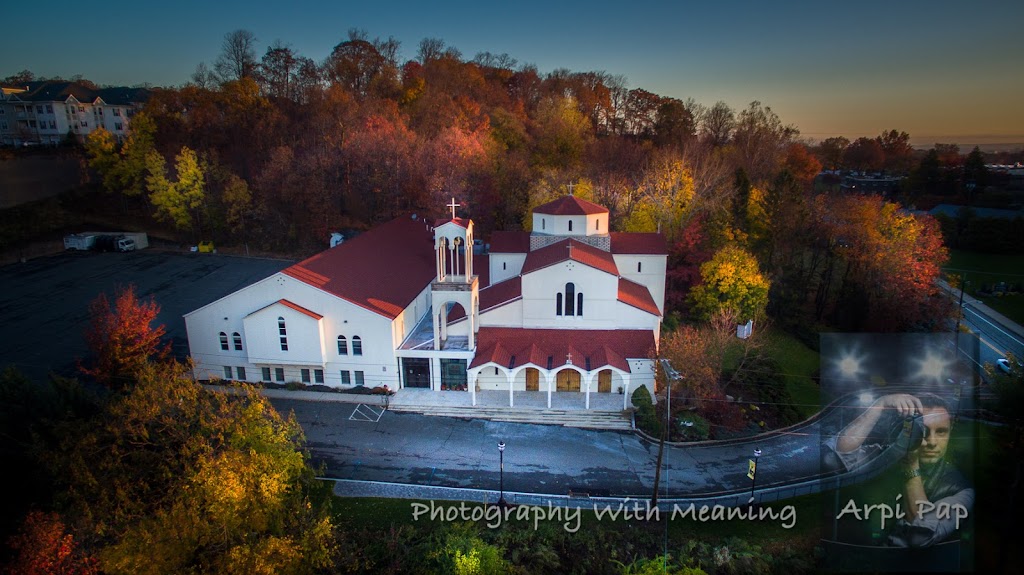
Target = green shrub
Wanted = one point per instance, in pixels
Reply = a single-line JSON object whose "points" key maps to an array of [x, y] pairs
{"points": [[646, 416]]}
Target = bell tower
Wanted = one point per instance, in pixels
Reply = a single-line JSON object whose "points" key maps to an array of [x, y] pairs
{"points": [[454, 284]]}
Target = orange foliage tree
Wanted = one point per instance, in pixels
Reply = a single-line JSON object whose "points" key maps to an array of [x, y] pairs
{"points": [[44, 547], [121, 337]]}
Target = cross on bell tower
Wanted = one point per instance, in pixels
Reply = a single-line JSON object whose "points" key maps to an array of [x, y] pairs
{"points": [[453, 205]]}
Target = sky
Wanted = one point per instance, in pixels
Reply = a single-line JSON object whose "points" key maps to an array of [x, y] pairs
{"points": [[942, 71]]}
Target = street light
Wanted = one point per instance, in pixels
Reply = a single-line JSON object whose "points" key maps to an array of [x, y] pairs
{"points": [[501, 474], [753, 476]]}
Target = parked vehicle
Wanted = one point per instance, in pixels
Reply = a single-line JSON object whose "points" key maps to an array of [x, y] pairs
{"points": [[79, 242], [106, 242]]}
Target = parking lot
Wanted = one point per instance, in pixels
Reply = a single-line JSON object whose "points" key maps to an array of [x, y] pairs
{"points": [[44, 301]]}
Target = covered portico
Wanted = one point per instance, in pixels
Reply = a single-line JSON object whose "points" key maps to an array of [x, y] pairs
{"points": [[592, 362]]}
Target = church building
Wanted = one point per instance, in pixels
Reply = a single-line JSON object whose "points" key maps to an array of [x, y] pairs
{"points": [[569, 308]]}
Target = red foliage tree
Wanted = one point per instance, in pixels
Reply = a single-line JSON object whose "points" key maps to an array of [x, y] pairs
{"points": [[121, 337], [44, 547]]}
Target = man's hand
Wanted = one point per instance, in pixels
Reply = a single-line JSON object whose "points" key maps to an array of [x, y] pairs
{"points": [[907, 405]]}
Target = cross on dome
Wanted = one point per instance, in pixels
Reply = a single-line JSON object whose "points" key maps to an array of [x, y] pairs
{"points": [[453, 205]]}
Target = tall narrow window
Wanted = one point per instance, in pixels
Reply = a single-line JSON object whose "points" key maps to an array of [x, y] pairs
{"points": [[346, 379], [597, 225], [241, 373], [279, 373], [227, 372], [342, 345], [265, 372], [570, 299], [503, 265], [357, 345], [305, 375], [223, 341], [570, 225], [638, 266], [318, 375], [558, 304], [237, 337], [579, 303], [359, 378], [283, 333], [542, 223]]}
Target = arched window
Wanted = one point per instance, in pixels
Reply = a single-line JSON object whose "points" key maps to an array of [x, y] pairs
{"points": [[357, 345], [283, 333], [223, 341], [570, 225], [342, 345], [579, 303], [570, 299], [558, 304], [237, 337]]}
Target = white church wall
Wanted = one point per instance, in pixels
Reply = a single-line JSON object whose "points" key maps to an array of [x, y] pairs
{"points": [[505, 266], [340, 317], [652, 273], [600, 298], [303, 336], [508, 315]]}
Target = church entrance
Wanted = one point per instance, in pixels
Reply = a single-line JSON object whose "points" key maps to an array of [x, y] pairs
{"points": [[416, 372], [604, 381], [568, 380], [532, 379]]}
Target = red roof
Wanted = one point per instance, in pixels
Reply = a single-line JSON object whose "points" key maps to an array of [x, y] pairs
{"points": [[570, 206], [570, 249], [382, 270], [638, 296], [510, 242], [300, 309], [462, 223], [512, 347], [501, 293], [638, 243]]}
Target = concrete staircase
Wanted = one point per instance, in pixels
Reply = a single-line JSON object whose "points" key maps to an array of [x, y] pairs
{"points": [[584, 419]]}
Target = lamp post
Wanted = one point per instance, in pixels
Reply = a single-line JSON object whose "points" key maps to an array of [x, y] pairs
{"points": [[501, 474], [753, 476]]}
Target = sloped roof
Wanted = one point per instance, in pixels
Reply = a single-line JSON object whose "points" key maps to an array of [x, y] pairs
{"points": [[462, 223], [503, 242], [638, 243], [570, 206], [47, 91], [501, 293], [382, 270], [569, 249], [638, 296], [291, 305], [512, 347]]}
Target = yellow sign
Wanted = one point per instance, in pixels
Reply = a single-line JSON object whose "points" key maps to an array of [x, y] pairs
{"points": [[751, 469]]}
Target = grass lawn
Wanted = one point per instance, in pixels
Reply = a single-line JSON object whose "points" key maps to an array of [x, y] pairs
{"points": [[981, 269], [800, 364]]}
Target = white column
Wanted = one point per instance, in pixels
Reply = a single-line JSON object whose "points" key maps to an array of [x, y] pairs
{"points": [[435, 374], [511, 402], [625, 391], [590, 379], [547, 376], [471, 382]]}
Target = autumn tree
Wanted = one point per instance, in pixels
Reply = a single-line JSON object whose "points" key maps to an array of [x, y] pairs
{"points": [[177, 201], [45, 546], [832, 151], [731, 282], [760, 139], [865, 154], [122, 166], [897, 150], [122, 338]]}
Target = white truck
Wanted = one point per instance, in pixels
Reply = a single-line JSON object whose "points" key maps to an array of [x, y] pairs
{"points": [[79, 241], [106, 241]]}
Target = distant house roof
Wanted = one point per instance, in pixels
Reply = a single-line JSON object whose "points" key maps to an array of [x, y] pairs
{"points": [[954, 211], [638, 296], [47, 91], [551, 348], [503, 242], [382, 270], [570, 206], [638, 243], [569, 249]]}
